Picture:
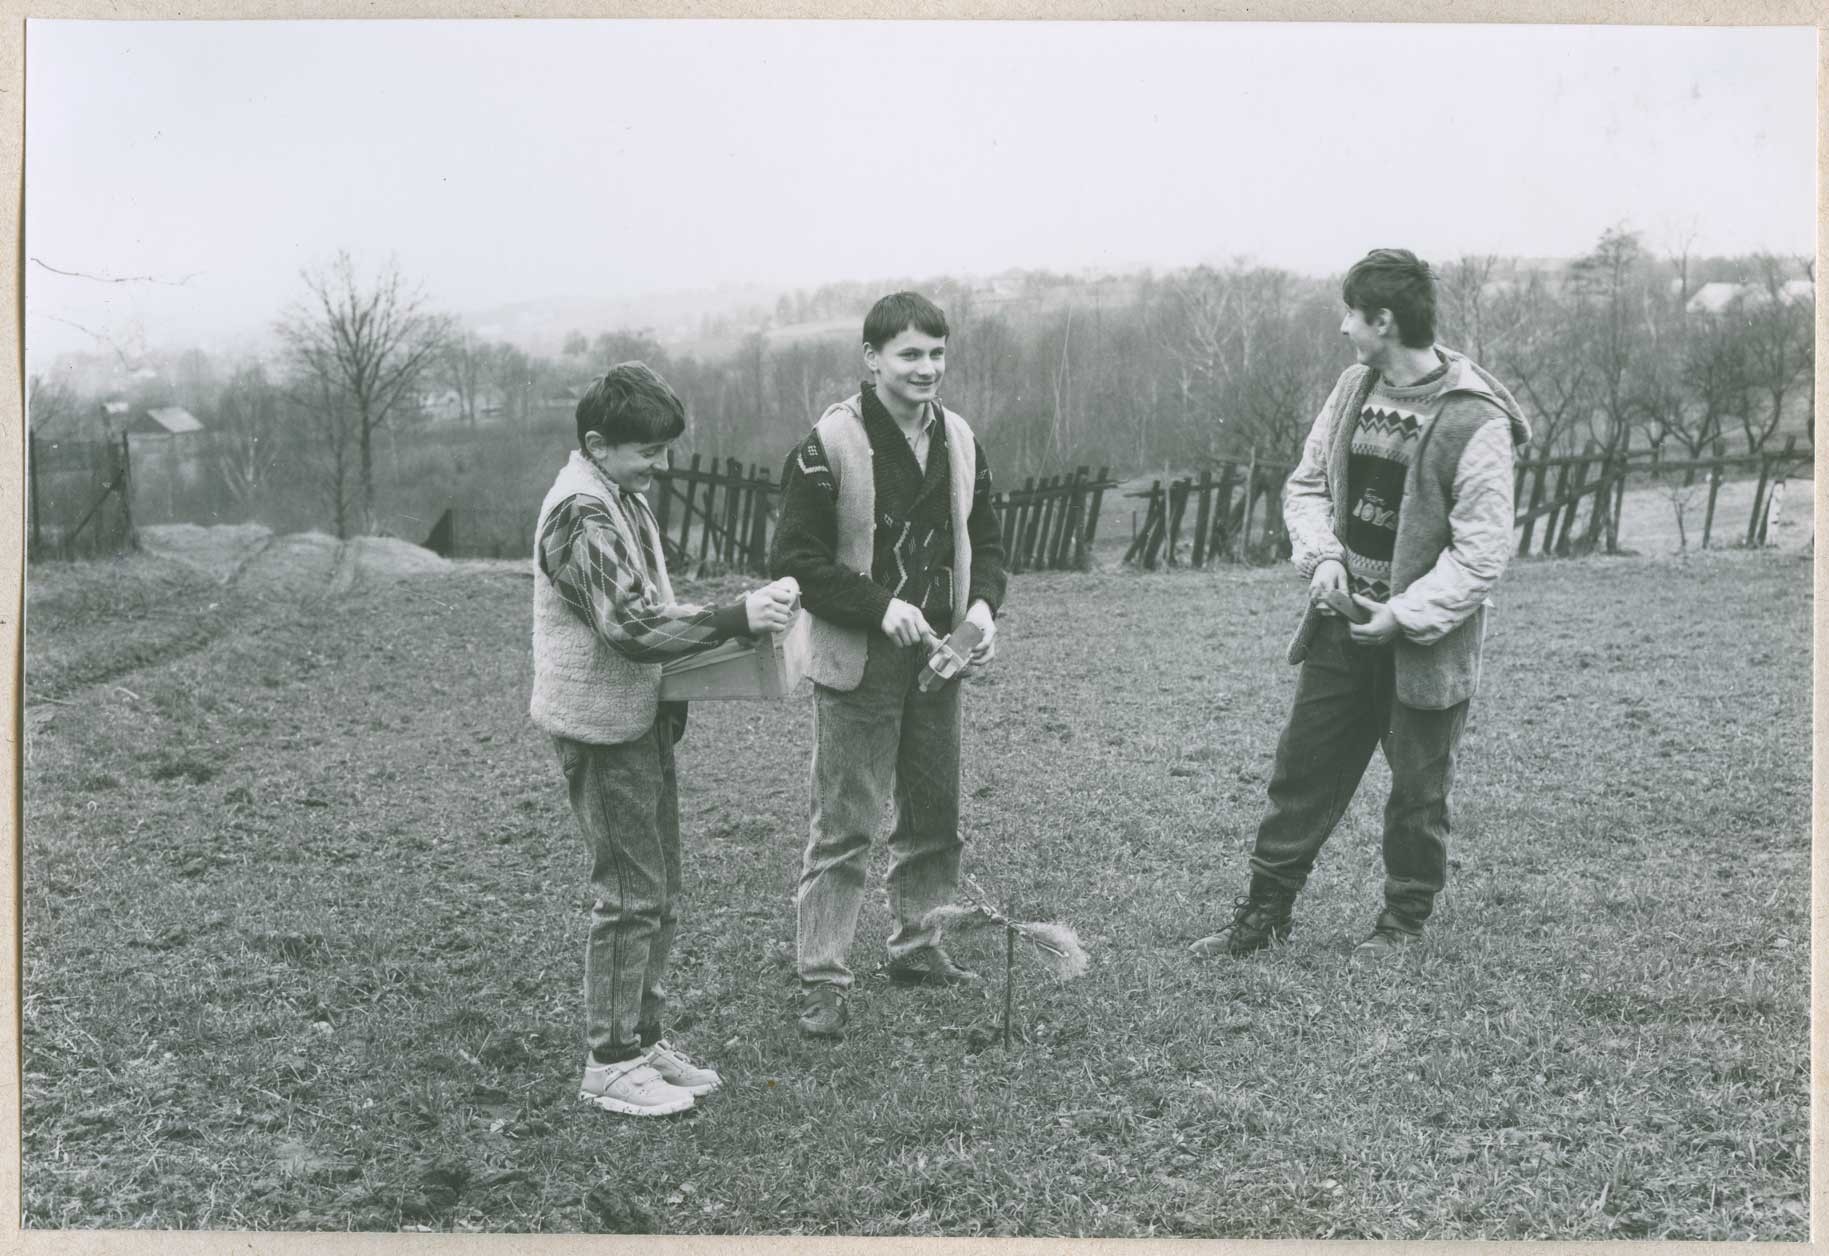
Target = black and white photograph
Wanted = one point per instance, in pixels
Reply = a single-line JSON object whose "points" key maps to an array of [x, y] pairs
{"points": [[928, 628]]}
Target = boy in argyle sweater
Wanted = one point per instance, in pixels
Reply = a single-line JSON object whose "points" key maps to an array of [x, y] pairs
{"points": [[604, 619], [1402, 499], [888, 527]]}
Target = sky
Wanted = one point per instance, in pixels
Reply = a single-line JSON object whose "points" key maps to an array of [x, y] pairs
{"points": [[207, 163]]}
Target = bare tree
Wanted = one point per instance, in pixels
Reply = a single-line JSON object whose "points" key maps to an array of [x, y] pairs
{"points": [[1466, 300], [359, 349], [511, 376], [1547, 362], [245, 436], [1061, 381], [49, 403], [1254, 360], [1779, 345], [463, 366], [1608, 288], [324, 412]]}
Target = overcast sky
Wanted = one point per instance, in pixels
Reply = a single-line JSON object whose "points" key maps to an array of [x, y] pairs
{"points": [[512, 161]]}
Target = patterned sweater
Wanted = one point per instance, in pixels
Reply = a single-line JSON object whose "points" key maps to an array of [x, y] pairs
{"points": [[1431, 605], [611, 587], [1384, 444]]}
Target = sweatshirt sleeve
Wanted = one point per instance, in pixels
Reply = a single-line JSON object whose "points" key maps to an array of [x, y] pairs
{"points": [[806, 544], [582, 553], [1480, 532], [1308, 508], [990, 575]]}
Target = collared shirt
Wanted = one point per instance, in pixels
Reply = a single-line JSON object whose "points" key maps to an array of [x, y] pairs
{"points": [[921, 439]]}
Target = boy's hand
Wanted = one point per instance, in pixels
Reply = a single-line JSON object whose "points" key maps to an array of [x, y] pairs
{"points": [[771, 608], [1377, 630], [904, 624], [1329, 577], [986, 649]]}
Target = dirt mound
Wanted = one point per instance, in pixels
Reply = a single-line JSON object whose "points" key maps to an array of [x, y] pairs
{"points": [[390, 556], [219, 550], [301, 561]]}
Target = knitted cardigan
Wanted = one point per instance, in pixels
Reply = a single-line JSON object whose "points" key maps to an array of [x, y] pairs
{"points": [[582, 688], [1453, 525], [838, 652]]}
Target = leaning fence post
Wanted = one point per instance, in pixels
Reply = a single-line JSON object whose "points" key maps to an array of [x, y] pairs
{"points": [[1752, 523], [1083, 555], [126, 483], [1714, 488], [1202, 514], [1243, 539]]}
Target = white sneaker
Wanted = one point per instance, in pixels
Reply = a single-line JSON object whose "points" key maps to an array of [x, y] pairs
{"points": [[632, 1088], [676, 1070]]}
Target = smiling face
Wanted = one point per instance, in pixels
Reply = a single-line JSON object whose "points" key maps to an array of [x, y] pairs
{"points": [[630, 467], [907, 367]]}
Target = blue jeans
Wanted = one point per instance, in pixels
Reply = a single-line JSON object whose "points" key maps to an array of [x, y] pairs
{"points": [[883, 737], [627, 807], [1345, 708]]}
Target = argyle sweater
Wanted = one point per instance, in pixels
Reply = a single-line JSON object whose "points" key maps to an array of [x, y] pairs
{"points": [[1383, 445], [913, 543]]}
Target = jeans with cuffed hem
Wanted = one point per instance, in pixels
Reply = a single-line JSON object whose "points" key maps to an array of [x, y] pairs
{"points": [[627, 806], [1345, 707], [883, 739]]}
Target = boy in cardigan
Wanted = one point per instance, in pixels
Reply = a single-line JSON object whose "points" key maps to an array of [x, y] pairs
{"points": [[1402, 499], [604, 619], [887, 525]]}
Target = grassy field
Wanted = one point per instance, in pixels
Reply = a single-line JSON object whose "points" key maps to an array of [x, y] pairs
{"points": [[304, 915]]}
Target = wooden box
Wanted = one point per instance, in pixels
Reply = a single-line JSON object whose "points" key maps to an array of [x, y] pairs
{"points": [[767, 667]]}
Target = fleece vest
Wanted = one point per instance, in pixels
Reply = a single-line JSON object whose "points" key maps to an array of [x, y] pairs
{"points": [[582, 687], [838, 652]]}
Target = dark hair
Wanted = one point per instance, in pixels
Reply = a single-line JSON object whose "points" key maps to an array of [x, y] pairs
{"points": [[630, 405], [899, 311], [1399, 281]]}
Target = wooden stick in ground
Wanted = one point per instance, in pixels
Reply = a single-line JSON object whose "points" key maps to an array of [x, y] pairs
{"points": [[1009, 969]]}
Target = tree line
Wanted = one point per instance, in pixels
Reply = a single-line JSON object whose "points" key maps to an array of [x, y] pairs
{"points": [[1621, 347]]}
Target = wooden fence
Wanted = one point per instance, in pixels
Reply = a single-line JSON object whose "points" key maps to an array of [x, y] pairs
{"points": [[79, 497], [1549, 493], [724, 517], [1052, 525], [1558, 486], [1238, 516], [720, 515]]}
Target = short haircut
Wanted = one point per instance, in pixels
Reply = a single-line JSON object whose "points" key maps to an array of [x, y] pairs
{"points": [[1399, 281], [630, 405], [899, 311]]}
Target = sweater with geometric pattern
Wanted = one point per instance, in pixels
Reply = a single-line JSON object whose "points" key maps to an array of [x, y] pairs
{"points": [[1454, 520], [1384, 442]]}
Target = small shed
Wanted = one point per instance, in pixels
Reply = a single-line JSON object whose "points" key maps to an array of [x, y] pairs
{"points": [[163, 421]]}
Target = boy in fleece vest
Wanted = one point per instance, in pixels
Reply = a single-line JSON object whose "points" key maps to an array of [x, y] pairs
{"points": [[1402, 499], [604, 619], [887, 525]]}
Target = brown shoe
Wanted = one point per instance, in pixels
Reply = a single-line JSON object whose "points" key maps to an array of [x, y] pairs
{"points": [[822, 1011], [929, 966]]}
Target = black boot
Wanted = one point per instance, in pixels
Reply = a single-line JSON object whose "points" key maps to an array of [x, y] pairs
{"points": [[1263, 916]]}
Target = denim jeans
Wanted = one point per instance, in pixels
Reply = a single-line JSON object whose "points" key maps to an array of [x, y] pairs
{"points": [[1344, 707], [884, 736], [627, 807]]}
